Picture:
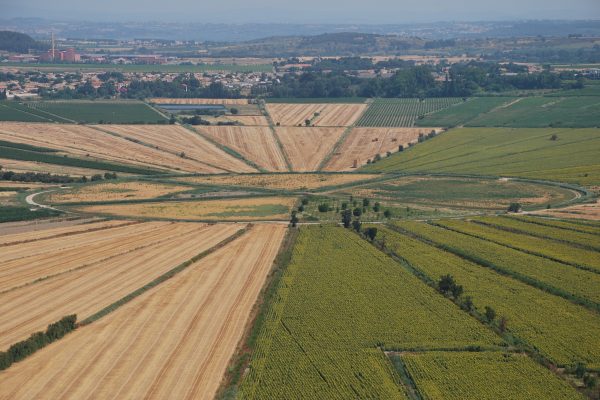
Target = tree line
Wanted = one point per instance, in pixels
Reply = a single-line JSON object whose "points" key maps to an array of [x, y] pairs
{"points": [[36, 341], [51, 178]]}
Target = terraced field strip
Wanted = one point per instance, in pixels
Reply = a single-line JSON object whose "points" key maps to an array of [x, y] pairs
{"points": [[88, 290], [565, 225], [364, 144], [184, 144], [24, 237], [483, 376], [561, 331], [402, 112], [249, 120], [561, 252], [257, 144], [162, 100], [86, 142], [172, 342], [339, 302], [324, 115], [307, 147], [528, 153], [589, 241], [583, 212]]}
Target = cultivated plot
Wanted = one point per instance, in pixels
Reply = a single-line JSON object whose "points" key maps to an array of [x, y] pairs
{"points": [[184, 144], [280, 181], [363, 144], [85, 142], [317, 114], [163, 100], [172, 342], [402, 112], [84, 279], [256, 144], [307, 147]]}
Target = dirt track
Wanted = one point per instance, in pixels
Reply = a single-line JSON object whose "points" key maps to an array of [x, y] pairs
{"points": [[172, 342], [256, 144], [307, 147], [114, 274]]}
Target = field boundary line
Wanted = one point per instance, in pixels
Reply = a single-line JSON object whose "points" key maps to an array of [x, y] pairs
{"points": [[28, 113], [263, 109], [52, 114], [223, 148]]}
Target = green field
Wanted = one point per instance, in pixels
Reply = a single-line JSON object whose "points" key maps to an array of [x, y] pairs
{"points": [[541, 112], [551, 249], [461, 193], [461, 113], [560, 330], [530, 153], [144, 67], [16, 213], [117, 112], [341, 301], [566, 226], [483, 376], [14, 111], [402, 112]]}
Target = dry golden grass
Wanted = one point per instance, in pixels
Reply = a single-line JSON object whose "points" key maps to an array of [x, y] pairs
{"points": [[161, 100], [84, 141], [364, 143], [589, 211], [329, 114], [184, 144], [244, 209], [31, 166], [307, 147], [280, 181], [24, 185], [256, 144], [249, 120], [88, 277], [173, 342], [110, 191]]}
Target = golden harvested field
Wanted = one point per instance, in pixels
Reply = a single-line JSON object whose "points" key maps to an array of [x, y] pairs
{"points": [[109, 191], [307, 147], [181, 141], [280, 181], [82, 141], [160, 100], [30, 226], [256, 144], [24, 185], [248, 209], [40, 231], [174, 341], [329, 114], [100, 275], [31, 166], [364, 143], [249, 120]]}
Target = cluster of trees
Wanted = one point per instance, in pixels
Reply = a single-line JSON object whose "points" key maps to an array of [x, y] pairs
{"points": [[36, 341], [51, 178], [461, 80], [19, 42]]}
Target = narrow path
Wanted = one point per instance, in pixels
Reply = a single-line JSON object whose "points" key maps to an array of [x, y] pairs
{"points": [[30, 200]]}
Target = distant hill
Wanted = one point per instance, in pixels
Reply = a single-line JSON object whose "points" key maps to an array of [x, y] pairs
{"points": [[19, 42]]}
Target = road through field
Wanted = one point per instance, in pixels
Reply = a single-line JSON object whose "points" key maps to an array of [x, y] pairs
{"points": [[85, 291], [175, 341]]}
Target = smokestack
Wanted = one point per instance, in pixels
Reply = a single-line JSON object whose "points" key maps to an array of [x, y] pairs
{"points": [[52, 46]]}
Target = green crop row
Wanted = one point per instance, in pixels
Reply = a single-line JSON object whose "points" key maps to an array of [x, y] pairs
{"points": [[402, 112]]}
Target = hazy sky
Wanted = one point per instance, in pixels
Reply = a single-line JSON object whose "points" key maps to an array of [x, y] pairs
{"points": [[302, 11]]}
